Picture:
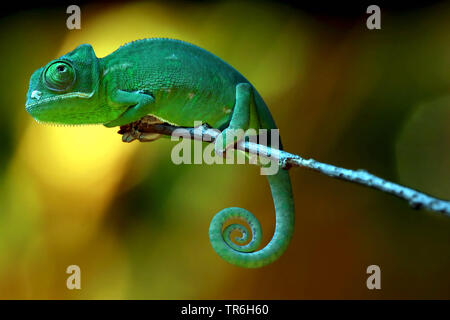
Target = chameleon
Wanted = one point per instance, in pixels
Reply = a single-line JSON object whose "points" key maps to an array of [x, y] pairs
{"points": [[174, 82]]}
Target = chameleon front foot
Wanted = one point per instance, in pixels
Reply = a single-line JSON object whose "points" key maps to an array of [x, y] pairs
{"points": [[133, 131]]}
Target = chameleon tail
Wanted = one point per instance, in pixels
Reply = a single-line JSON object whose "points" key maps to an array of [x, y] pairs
{"points": [[245, 255]]}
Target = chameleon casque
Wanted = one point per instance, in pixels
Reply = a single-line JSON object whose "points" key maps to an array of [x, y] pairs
{"points": [[176, 83]]}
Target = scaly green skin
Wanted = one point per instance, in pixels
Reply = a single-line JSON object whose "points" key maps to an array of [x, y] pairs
{"points": [[178, 83]]}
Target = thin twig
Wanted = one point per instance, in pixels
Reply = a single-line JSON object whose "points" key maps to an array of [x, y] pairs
{"points": [[145, 131]]}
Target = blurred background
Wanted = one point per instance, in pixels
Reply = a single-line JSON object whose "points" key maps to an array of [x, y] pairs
{"points": [[137, 225]]}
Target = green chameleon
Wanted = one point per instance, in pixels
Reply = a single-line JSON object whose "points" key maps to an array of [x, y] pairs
{"points": [[177, 83]]}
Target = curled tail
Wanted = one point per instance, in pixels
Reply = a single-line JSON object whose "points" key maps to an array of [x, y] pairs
{"points": [[245, 255]]}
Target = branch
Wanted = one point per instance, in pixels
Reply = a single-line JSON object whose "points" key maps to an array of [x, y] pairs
{"points": [[147, 129]]}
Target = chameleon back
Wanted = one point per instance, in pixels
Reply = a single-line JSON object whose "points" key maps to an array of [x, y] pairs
{"points": [[187, 82]]}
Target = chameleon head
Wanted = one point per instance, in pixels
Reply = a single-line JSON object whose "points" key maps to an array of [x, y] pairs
{"points": [[65, 91]]}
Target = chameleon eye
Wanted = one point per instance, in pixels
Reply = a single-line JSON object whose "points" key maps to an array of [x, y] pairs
{"points": [[59, 76]]}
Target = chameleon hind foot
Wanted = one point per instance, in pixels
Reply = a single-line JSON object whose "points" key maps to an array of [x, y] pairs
{"points": [[239, 122]]}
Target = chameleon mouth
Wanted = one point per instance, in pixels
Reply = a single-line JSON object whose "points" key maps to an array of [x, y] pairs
{"points": [[57, 98], [36, 94], [58, 124]]}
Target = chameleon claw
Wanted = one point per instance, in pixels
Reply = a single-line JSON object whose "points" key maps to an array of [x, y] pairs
{"points": [[128, 137]]}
